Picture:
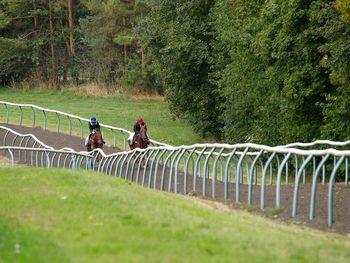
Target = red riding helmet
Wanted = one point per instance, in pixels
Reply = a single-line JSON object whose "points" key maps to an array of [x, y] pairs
{"points": [[139, 119]]}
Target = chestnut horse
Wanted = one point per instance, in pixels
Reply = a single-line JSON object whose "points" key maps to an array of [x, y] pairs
{"points": [[141, 139], [96, 140]]}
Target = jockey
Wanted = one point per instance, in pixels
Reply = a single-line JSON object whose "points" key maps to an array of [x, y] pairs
{"points": [[137, 128], [93, 124]]}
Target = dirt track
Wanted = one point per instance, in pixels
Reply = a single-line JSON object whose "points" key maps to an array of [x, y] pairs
{"points": [[341, 192]]}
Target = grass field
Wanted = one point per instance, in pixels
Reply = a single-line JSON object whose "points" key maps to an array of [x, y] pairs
{"points": [[117, 111], [79, 216]]}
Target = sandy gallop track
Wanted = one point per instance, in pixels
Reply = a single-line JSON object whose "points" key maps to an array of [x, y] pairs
{"points": [[341, 192]]}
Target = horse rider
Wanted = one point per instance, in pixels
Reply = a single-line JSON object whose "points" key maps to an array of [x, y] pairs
{"points": [[137, 128], [93, 124]]}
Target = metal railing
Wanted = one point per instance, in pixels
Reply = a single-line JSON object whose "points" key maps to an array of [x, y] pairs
{"points": [[50, 158], [82, 124], [28, 144], [269, 158], [40, 116], [202, 168], [319, 144], [10, 138]]}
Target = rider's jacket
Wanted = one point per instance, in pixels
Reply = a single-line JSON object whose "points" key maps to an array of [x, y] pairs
{"points": [[95, 126], [137, 127]]}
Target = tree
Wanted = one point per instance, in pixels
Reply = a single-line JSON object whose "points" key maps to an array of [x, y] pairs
{"points": [[177, 35], [238, 71], [46, 29], [276, 76], [109, 34], [15, 52], [70, 25], [336, 60], [53, 77]]}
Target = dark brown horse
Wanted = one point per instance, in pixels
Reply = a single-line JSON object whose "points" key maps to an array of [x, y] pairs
{"points": [[96, 140], [141, 139]]}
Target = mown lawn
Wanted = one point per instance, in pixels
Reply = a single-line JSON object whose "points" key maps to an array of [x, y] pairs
{"points": [[117, 111], [79, 216]]}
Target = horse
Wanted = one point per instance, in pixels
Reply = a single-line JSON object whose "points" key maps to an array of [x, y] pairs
{"points": [[96, 140], [141, 139]]}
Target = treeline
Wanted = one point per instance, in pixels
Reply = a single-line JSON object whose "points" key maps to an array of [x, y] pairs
{"points": [[261, 71], [59, 41]]}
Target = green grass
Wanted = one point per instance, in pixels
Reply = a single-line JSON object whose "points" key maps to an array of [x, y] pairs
{"points": [[79, 216], [117, 111]]}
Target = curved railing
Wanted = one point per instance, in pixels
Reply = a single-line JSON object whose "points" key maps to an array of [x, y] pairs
{"points": [[118, 141], [9, 138], [73, 123], [204, 168], [24, 143], [58, 123], [50, 158], [318, 143]]}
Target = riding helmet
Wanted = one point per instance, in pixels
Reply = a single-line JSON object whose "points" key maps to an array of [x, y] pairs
{"points": [[93, 120], [139, 119]]}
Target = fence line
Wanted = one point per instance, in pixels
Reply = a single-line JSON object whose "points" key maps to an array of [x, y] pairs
{"points": [[202, 164], [58, 115], [198, 166], [125, 133]]}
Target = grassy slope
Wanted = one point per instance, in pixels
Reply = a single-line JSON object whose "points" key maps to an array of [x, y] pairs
{"points": [[78, 216], [115, 111]]}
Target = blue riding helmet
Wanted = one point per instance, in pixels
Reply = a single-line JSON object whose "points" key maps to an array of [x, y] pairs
{"points": [[93, 120]]}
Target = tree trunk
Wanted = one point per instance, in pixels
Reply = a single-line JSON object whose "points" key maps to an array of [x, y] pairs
{"points": [[70, 25], [125, 46], [37, 51], [142, 59], [74, 71], [53, 77]]}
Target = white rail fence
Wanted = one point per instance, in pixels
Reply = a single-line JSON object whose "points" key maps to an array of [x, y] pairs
{"points": [[64, 122], [200, 168]]}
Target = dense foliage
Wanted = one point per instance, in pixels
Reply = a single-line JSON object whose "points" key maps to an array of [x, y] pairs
{"points": [[178, 35], [260, 71]]}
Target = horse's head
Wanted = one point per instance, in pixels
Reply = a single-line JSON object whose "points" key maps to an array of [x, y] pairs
{"points": [[96, 139], [141, 139], [143, 132]]}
